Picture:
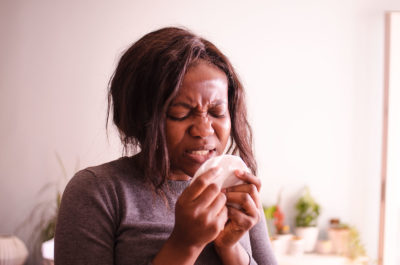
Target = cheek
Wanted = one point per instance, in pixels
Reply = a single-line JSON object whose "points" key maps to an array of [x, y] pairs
{"points": [[224, 131], [174, 134]]}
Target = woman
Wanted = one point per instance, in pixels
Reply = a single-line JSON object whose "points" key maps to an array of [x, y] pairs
{"points": [[176, 101]]}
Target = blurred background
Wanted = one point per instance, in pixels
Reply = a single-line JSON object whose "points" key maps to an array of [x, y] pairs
{"points": [[313, 71]]}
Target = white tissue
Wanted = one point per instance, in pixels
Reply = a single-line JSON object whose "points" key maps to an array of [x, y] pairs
{"points": [[228, 164]]}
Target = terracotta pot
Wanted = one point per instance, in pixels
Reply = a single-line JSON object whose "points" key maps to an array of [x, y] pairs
{"points": [[12, 250], [340, 238]]}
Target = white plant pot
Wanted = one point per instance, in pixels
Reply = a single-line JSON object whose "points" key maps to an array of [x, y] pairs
{"points": [[48, 250], [12, 250], [310, 236], [324, 247], [296, 246], [281, 243]]}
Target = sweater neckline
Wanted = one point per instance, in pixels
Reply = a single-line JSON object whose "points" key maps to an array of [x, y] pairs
{"points": [[179, 184]]}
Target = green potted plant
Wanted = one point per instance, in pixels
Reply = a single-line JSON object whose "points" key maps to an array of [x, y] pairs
{"points": [[279, 231], [308, 211], [276, 223], [274, 214], [48, 226], [41, 222]]}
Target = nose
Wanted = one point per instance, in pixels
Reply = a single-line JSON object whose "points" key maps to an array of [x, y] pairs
{"points": [[201, 127]]}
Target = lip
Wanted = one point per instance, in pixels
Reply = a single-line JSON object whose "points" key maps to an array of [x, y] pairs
{"points": [[200, 159]]}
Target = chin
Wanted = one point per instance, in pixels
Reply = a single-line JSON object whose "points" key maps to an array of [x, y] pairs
{"points": [[192, 169], [191, 172]]}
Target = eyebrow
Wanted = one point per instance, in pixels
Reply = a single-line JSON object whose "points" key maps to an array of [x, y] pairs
{"points": [[181, 104], [189, 106]]}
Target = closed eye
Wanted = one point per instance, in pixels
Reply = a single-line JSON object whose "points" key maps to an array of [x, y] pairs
{"points": [[178, 112], [182, 111], [218, 111], [218, 115], [174, 118]]}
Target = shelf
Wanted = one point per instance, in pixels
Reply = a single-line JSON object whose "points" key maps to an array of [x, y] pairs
{"points": [[316, 259]]}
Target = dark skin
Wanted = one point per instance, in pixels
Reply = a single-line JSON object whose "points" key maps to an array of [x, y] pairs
{"points": [[198, 127]]}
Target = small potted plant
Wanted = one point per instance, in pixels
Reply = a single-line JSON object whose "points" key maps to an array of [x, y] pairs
{"points": [[279, 222], [346, 240], [306, 219], [44, 216], [281, 237]]}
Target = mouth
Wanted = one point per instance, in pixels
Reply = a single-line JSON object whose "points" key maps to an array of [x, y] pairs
{"points": [[200, 155]]}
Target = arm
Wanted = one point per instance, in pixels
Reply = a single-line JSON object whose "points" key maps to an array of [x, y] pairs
{"points": [[248, 218], [235, 254], [85, 225], [200, 215], [260, 244]]}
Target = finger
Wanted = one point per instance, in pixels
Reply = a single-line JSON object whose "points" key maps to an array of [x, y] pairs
{"points": [[245, 202], [199, 184], [222, 217], [247, 188], [218, 204], [248, 178], [241, 220], [208, 195]]}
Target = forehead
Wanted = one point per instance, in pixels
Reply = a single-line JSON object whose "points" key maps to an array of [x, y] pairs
{"points": [[203, 81]]}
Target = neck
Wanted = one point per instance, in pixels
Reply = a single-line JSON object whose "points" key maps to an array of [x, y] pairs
{"points": [[180, 176]]}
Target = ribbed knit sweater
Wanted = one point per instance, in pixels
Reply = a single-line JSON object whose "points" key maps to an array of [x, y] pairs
{"points": [[109, 215]]}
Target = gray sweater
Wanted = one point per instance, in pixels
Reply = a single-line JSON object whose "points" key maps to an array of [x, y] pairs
{"points": [[108, 215]]}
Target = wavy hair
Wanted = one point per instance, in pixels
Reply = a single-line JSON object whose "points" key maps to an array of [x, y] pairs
{"points": [[146, 80]]}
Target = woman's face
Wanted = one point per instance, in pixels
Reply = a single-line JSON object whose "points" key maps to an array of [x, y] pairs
{"points": [[198, 123]]}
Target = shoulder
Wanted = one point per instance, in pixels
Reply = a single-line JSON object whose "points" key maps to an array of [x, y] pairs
{"points": [[105, 182], [113, 169], [101, 188], [108, 173]]}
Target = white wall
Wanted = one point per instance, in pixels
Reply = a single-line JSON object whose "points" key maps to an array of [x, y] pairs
{"points": [[392, 212], [313, 72]]}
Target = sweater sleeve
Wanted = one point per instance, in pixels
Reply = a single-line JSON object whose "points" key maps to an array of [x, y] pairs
{"points": [[260, 245], [86, 223]]}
